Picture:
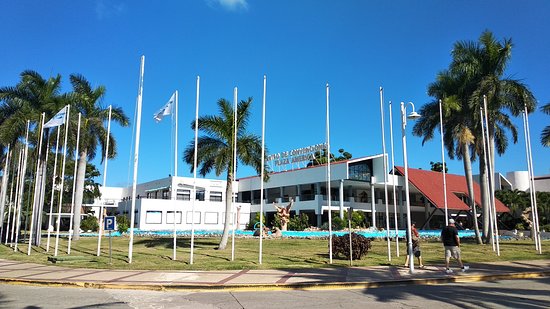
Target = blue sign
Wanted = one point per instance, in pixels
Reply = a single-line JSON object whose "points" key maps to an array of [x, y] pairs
{"points": [[109, 223]]}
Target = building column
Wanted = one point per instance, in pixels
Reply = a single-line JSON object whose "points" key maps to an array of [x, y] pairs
{"points": [[341, 198]]}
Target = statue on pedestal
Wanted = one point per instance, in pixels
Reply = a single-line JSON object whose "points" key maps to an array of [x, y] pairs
{"points": [[283, 212]]}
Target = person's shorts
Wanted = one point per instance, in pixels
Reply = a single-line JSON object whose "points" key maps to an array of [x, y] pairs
{"points": [[452, 251]]}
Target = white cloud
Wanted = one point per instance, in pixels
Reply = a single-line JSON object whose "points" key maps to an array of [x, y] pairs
{"points": [[106, 9], [231, 5]]}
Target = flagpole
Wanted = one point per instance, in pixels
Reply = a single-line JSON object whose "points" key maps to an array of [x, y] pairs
{"points": [[62, 180], [36, 182], [10, 206], [22, 186], [74, 185], [53, 190], [173, 196], [106, 159], [328, 178], [443, 162], [262, 172], [15, 205], [533, 190], [491, 169], [393, 187], [195, 171], [4, 189], [136, 158], [235, 91], [385, 173]]}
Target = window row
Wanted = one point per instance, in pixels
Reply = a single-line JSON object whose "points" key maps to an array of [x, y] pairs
{"points": [[156, 217]]}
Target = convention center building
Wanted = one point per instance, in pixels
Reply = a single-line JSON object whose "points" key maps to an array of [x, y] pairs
{"points": [[358, 184]]}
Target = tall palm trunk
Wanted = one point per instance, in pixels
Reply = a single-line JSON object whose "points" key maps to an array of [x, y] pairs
{"points": [[40, 191], [484, 186], [79, 194], [470, 183], [228, 199]]}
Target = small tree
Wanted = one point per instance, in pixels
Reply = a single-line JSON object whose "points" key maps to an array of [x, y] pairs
{"points": [[438, 167]]}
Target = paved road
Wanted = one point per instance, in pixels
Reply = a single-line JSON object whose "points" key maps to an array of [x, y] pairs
{"points": [[532, 293]]}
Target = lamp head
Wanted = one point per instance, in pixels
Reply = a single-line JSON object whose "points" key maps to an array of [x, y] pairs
{"points": [[413, 115]]}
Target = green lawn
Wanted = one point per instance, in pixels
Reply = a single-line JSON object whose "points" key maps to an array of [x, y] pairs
{"points": [[156, 253]]}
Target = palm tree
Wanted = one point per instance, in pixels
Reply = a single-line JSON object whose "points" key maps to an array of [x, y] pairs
{"points": [[545, 135], [26, 101], [215, 152], [483, 64], [457, 136], [87, 101]]}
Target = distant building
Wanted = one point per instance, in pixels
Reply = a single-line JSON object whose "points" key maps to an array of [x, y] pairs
{"points": [[155, 207], [355, 183]]}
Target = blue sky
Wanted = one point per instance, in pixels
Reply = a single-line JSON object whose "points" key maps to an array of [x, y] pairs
{"points": [[355, 46]]}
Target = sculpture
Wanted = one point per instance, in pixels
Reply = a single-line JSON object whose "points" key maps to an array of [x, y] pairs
{"points": [[283, 212]]}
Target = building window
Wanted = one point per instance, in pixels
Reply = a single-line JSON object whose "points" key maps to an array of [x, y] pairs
{"points": [[183, 195], [210, 218], [188, 217], [153, 217], [360, 170], [165, 195], [215, 196], [200, 195], [170, 217]]}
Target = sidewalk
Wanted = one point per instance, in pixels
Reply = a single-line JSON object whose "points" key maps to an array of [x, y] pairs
{"points": [[271, 279]]}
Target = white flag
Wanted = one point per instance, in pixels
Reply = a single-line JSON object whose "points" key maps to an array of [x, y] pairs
{"points": [[58, 119], [166, 109]]}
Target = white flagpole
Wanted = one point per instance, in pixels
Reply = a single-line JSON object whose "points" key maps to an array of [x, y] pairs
{"points": [[385, 172], [36, 184], [4, 189], [235, 90], [10, 204], [393, 187], [262, 172], [488, 171], [174, 190], [62, 180], [443, 162], [53, 189], [22, 186], [195, 171], [106, 159], [533, 190], [491, 182], [74, 184], [136, 159], [328, 179], [532, 197], [15, 215]]}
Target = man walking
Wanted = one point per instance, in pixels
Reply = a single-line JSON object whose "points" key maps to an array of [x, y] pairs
{"points": [[451, 242]]}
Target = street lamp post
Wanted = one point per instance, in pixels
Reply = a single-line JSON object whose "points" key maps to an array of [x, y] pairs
{"points": [[404, 116]]}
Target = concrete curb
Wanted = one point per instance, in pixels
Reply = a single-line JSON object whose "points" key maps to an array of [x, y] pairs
{"points": [[275, 286]]}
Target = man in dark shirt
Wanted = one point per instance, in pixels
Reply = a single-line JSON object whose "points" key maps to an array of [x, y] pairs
{"points": [[451, 242]]}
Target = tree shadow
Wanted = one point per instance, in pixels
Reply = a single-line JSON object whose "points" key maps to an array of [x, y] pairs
{"points": [[466, 296]]}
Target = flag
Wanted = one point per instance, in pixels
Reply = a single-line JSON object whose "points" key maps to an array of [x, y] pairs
{"points": [[166, 109], [58, 119]]}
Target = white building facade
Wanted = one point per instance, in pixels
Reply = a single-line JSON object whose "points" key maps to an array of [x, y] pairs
{"points": [[161, 201]]}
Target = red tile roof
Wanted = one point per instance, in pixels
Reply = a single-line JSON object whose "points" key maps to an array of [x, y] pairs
{"points": [[430, 184]]}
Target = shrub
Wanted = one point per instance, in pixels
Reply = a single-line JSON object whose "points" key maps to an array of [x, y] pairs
{"points": [[89, 224], [299, 223], [123, 224], [360, 246], [545, 228], [253, 222]]}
